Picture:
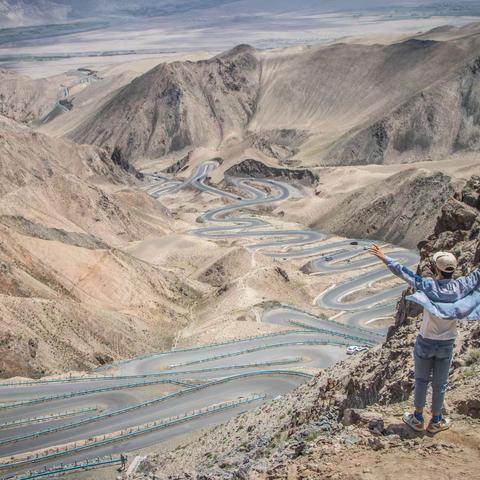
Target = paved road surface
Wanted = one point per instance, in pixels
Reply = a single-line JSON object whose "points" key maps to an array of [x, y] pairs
{"points": [[314, 342]]}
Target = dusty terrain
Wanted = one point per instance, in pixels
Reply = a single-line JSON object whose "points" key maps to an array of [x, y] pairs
{"points": [[375, 125], [346, 424], [69, 298]]}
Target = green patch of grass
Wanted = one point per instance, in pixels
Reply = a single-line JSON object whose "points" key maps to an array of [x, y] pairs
{"points": [[311, 437], [472, 357], [472, 371]]}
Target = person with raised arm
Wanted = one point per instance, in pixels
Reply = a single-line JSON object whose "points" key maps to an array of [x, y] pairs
{"points": [[445, 300]]}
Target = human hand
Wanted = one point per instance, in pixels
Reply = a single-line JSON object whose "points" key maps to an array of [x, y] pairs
{"points": [[376, 251]]}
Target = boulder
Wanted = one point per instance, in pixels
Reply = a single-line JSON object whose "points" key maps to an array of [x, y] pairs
{"points": [[359, 416]]}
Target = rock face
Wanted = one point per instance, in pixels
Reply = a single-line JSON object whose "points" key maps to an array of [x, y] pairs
{"points": [[256, 169], [178, 166], [403, 209], [179, 105], [457, 230]]}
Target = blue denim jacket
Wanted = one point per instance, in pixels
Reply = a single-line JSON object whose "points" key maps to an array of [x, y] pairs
{"points": [[448, 299]]}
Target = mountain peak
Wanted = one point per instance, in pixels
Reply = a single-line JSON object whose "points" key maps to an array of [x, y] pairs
{"points": [[241, 49]]}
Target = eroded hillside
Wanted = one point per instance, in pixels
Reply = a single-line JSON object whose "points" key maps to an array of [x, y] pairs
{"points": [[69, 298], [179, 105]]}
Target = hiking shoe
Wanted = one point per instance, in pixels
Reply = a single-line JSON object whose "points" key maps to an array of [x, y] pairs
{"points": [[435, 427], [413, 422]]}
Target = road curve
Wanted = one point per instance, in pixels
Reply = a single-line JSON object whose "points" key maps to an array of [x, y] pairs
{"points": [[265, 365], [329, 257]]}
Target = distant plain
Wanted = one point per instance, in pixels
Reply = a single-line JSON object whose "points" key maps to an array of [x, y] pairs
{"points": [[42, 51]]}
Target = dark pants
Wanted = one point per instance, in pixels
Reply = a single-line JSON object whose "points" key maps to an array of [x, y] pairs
{"points": [[432, 363]]}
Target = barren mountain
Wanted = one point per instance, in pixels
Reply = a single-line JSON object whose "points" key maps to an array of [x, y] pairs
{"points": [[24, 99], [179, 105], [342, 104], [436, 122]]}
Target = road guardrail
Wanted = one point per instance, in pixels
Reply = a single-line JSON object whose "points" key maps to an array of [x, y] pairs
{"points": [[63, 396], [194, 349], [329, 320], [149, 403], [140, 430], [256, 349], [150, 375], [46, 418], [334, 334], [74, 467]]}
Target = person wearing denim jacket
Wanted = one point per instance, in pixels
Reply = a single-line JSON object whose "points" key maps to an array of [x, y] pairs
{"points": [[444, 300]]}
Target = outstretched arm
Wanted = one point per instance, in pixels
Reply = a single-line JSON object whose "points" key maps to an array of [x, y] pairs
{"points": [[414, 280], [470, 282]]}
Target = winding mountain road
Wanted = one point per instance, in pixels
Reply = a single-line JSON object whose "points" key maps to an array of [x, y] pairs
{"points": [[124, 396]]}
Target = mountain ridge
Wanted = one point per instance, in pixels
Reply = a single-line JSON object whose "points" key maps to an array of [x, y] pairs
{"points": [[348, 104]]}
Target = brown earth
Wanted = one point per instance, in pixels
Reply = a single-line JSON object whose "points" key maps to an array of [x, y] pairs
{"points": [[69, 298]]}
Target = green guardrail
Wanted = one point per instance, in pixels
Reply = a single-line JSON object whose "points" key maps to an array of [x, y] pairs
{"points": [[148, 428], [366, 331], [47, 418], [150, 375], [34, 401], [149, 403], [194, 349], [256, 349], [334, 334], [88, 465]]}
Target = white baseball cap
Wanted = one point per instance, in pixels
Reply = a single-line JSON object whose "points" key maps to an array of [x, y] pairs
{"points": [[445, 261]]}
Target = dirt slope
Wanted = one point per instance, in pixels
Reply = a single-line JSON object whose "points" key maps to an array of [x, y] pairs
{"points": [[24, 99], [69, 299]]}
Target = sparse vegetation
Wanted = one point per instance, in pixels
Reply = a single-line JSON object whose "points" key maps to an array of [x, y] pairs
{"points": [[472, 357]]}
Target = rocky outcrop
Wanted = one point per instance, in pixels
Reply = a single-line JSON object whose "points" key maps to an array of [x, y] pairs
{"points": [[178, 166], [119, 159], [458, 230], [402, 209], [256, 169]]}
